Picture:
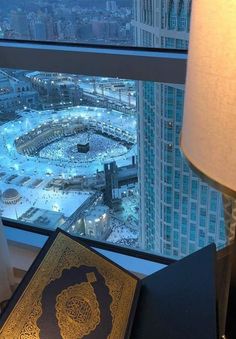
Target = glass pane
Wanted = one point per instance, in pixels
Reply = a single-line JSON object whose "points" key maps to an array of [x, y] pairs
{"points": [[100, 158], [144, 23], [179, 213]]}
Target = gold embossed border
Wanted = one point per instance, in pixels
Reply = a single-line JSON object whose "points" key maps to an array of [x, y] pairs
{"points": [[65, 253]]}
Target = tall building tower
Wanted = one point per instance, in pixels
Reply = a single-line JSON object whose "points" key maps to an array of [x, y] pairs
{"points": [[39, 31], [20, 24], [111, 6], [178, 212]]}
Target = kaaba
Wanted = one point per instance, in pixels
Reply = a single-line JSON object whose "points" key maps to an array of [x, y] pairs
{"points": [[71, 292], [83, 148]]}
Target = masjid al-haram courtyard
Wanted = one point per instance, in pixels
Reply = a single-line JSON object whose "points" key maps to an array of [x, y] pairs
{"points": [[52, 171]]}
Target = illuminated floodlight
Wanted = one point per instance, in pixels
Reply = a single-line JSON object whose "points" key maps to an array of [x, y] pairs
{"points": [[55, 207], [48, 171]]}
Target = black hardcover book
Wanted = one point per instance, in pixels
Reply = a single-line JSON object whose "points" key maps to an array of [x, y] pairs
{"points": [[179, 302], [71, 292]]}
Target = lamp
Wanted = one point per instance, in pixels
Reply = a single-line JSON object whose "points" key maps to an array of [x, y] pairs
{"points": [[208, 138]]}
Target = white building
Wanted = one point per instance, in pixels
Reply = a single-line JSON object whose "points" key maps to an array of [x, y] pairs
{"points": [[56, 90], [97, 222], [15, 94]]}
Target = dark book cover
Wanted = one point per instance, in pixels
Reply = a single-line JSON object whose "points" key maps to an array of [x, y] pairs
{"points": [[179, 301], [71, 292]]}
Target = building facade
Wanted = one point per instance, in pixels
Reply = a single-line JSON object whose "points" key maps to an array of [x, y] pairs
{"points": [[97, 222], [15, 94], [178, 212], [56, 90]]}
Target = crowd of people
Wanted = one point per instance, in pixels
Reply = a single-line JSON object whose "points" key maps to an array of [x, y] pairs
{"points": [[122, 234], [100, 147]]}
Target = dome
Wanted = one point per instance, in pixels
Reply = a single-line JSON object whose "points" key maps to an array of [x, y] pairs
{"points": [[10, 196]]}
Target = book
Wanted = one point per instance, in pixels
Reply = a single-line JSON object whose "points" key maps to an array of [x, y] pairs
{"points": [[71, 292], [179, 301]]}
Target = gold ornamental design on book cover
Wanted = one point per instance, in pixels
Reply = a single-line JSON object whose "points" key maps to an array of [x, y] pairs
{"points": [[77, 311], [74, 293]]}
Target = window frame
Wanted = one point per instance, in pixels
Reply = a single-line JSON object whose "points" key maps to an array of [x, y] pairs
{"points": [[132, 252], [96, 60]]}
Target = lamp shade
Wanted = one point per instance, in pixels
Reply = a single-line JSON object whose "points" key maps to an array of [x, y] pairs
{"points": [[208, 138]]}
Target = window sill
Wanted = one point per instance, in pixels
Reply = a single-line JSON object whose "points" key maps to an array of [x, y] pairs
{"points": [[25, 246]]}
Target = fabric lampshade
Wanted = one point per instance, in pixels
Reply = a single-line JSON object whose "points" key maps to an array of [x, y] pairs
{"points": [[208, 138]]}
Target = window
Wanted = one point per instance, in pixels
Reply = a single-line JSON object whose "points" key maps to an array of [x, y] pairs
{"points": [[103, 22], [172, 15], [57, 100], [181, 16]]}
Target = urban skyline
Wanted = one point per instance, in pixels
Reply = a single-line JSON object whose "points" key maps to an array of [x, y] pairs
{"points": [[101, 22]]}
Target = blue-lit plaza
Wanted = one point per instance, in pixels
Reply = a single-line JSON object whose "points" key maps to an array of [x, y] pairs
{"points": [[51, 161], [39, 154]]}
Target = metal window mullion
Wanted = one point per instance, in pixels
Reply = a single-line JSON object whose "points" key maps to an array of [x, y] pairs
{"points": [[133, 64]]}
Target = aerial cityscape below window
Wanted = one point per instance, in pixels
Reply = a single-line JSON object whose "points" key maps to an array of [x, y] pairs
{"points": [[100, 157]]}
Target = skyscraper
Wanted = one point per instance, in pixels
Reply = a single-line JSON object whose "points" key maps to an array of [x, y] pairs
{"points": [[111, 6], [178, 212], [20, 25]]}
